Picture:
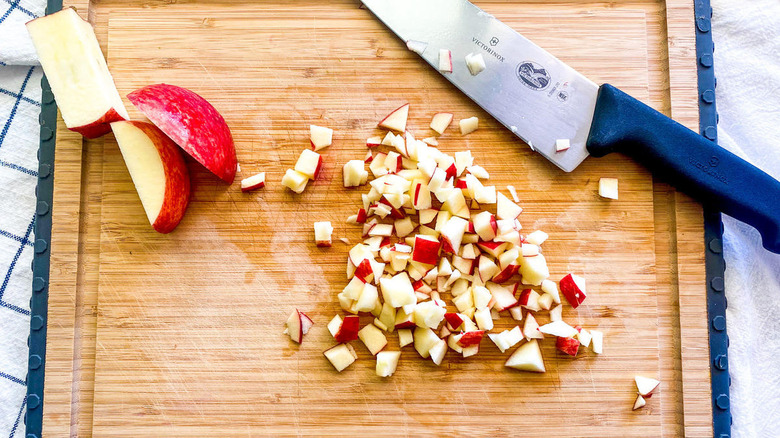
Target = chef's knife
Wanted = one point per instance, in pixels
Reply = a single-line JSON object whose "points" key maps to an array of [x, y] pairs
{"points": [[542, 100]]}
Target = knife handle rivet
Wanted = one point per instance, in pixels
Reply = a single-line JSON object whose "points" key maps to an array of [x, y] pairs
{"points": [[33, 401], [706, 60], [719, 323], [717, 284], [708, 96], [35, 362], [40, 246], [716, 246], [703, 24], [36, 323], [38, 284]]}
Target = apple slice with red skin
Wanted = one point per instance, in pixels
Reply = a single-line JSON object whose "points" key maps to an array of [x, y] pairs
{"points": [[77, 72], [294, 326], [567, 345], [158, 171], [349, 329], [573, 288], [192, 123], [253, 182]]}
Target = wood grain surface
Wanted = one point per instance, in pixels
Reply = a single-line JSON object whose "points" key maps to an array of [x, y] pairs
{"points": [[179, 335]]}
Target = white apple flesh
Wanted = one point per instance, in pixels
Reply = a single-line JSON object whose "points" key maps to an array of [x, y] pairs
{"points": [[441, 121], [645, 385], [445, 61], [158, 171], [320, 137], [396, 120], [341, 356], [387, 362], [77, 72], [608, 188], [253, 182], [467, 126], [322, 233], [527, 357], [309, 163]]}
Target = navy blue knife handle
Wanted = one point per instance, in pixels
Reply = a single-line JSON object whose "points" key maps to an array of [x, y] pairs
{"points": [[686, 160]]}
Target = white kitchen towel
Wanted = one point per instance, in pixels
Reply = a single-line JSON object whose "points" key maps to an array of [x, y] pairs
{"points": [[747, 65], [20, 96]]}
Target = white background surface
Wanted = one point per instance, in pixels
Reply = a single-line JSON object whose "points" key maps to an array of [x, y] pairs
{"points": [[747, 65]]}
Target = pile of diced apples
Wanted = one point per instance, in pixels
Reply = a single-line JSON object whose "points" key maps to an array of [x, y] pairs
{"points": [[433, 229]]}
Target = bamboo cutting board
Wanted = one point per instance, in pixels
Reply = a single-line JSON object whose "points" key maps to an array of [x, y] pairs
{"points": [[180, 334]]}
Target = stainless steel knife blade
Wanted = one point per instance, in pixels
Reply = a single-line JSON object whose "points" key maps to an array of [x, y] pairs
{"points": [[534, 94]]}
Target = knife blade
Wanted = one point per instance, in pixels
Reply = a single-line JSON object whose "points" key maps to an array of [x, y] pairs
{"points": [[522, 83], [541, 99]]}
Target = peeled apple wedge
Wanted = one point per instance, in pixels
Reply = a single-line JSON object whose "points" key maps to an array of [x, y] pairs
{"points": [[158, 171], [192, 123], [77, 72]]}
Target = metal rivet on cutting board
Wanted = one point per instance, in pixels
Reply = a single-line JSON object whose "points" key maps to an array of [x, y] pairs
{"points": [[40, 246], [42, 208], [722, 401], [35, 362], [710, 132], [703, 24], [708, 96], [36, 322], [716, 246], [47, 96], [706, 60], [33, 401], [38, 284], [46, 133], [717, 284], [719, 323], [721, 362], [44, 170]]}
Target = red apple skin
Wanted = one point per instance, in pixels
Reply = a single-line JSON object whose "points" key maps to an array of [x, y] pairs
{"points": [[569, 346], [506, 274], [254, 187], [177, 179], [451, 171], [99, 127], [363, 270], [523, 298], [573, 294], [471, 338], [362, 216], [192, 123], [453, 320], [426, 251], [349, 329]]}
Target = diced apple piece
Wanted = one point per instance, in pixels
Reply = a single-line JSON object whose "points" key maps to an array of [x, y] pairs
{"points": [[438, 351], [454, 320], [481, 296], [529, 299], [387, 362], [584, 337], [158, 171], [405, 337], [192, 123], [295, 181], [256, 181], [562, 144], [348, 330], [597, 343], [424, 340], [485, 225], [298, 324], [645, 385], [549, 287], [355, 173], [527, 357], [398, 290], [517, 313], [608, 188], [320, 136], [476, 63], [396, 120], [483, 319], [417, 47], [428, 314], [640, 402], [452, 233], [372, 338], [545, 301], [341, 356], [373, 142], [441, 121], [531, 328], [503, 297], [573, 288], [426, 250], [558, 328], [77, 73], [567, 345], [445, 61], [506, 209], [322, 233], [368, 298], [534, 269], [556, 313], [467, 126], [334, 325], [538, 237]]}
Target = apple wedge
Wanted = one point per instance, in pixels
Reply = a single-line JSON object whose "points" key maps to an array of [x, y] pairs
{"points": [[387, 362], [441, 121], [77, 72], [341, 356], [192, 123], [396, 120], [253, 182], [158, 171], [645, 385], [527, 357]]}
